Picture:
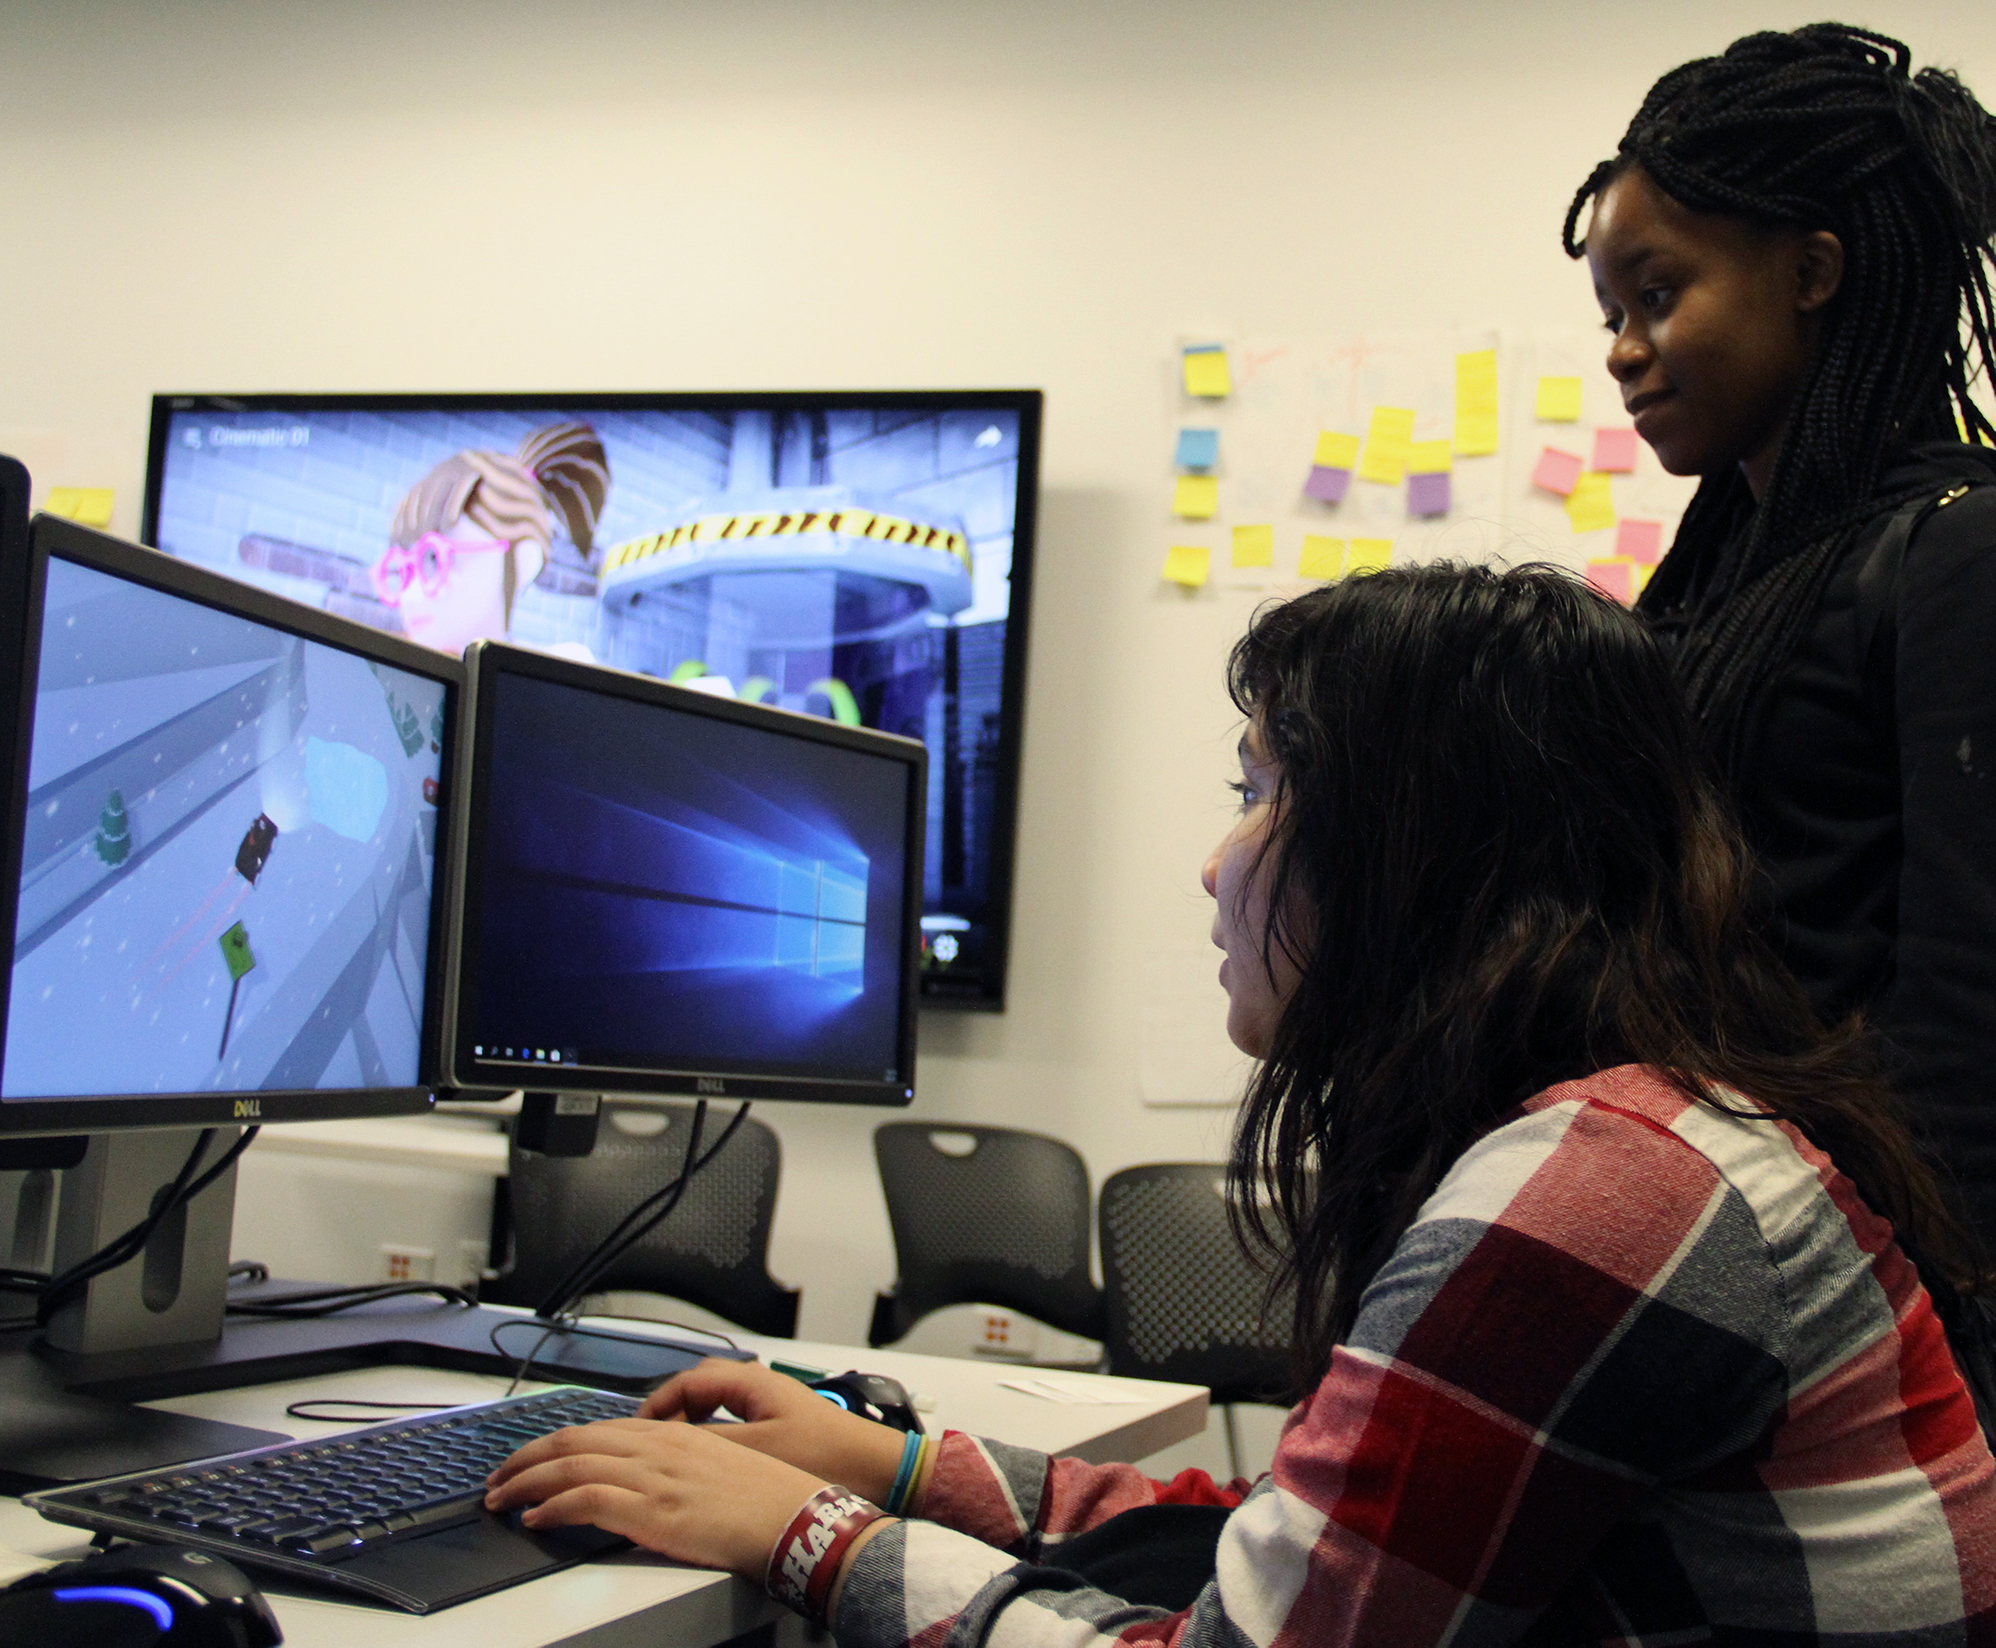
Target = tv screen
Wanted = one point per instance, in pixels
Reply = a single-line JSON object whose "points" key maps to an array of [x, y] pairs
{"points": [[861, 557]]}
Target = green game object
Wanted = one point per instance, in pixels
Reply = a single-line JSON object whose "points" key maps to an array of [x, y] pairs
{"points": [[237, 953], [114, 830]]}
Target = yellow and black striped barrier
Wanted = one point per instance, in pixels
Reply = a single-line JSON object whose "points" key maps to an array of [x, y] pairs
{"points": [[846, 522]]}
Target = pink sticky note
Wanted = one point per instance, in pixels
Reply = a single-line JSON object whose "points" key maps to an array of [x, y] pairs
{"points": [[1327, 485], [1614, 579], [1427, 494], [1614, 451], [1640, 541], [1558, 471]]}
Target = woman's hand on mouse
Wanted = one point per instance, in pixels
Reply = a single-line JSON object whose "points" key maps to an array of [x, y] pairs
{"points": [[786, 1420], [683, 1491]]}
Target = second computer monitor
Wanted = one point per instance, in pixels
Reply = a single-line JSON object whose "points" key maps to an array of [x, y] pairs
{"points": [[670, 892]]}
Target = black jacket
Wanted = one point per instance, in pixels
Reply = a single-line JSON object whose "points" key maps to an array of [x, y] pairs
{"points": [[1869, 789]]}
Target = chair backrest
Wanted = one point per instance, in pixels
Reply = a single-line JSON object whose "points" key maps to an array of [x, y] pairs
{"points": [[711, 1250], [984, 1215], [1184, 1301]]}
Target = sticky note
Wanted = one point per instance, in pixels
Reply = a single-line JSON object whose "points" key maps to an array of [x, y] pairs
{"points": [[1476, 403], [1558, 400], [1187, 564], [1614, 579], [1427, 494], [1614, 451], [1591, 506], [1196, 497], [1387, 440], [1322, 557], [1370, 554], [85, 505], [1335, 451], [1254, 546], [1206, 372], [1556, 471], [1200, 449], [1327, 486], [1640, 540]]}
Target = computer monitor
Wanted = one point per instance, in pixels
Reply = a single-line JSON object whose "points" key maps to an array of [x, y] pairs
{"points": [[667, 891], [219, 852], [863, 557]]}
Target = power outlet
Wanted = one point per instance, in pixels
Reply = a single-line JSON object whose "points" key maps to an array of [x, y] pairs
{"points": [[1015, 1338], [402, 1263]]}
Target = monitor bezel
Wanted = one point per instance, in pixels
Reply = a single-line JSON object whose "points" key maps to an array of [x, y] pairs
{"points": [[486, 662], [52, 537], [984, 991]]}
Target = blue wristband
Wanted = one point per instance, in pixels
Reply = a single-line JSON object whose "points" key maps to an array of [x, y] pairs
{"points": [[904, 1478]]}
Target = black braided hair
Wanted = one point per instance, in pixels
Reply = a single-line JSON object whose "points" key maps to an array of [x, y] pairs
{"points": [[1822, 128]]}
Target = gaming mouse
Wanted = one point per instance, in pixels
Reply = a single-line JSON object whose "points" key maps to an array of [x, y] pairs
{"points": [[139, 1596], [872, 1396]]}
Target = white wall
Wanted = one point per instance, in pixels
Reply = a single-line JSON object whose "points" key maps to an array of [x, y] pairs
{"points": [[902, 193]]}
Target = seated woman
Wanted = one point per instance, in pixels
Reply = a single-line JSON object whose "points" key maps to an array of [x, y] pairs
{"points": [[1616, 1278]]}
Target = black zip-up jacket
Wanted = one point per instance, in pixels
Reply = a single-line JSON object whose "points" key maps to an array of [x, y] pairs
{"points": [[1869, 789]]}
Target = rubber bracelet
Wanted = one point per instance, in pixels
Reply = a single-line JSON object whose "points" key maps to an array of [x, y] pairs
{"points": [[911, 1453], [806, 1560]]}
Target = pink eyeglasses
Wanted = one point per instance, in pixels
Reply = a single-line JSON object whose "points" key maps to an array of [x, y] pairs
{"points": [[427, 561]]}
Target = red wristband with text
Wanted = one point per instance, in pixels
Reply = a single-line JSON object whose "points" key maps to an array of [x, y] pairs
{"points": [[805, 1563]]}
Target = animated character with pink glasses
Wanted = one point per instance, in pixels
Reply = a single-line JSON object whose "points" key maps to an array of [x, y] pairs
{"points": [[481, 525]]}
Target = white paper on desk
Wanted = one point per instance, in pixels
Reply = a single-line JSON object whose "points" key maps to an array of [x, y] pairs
{"points": [[1073, 1392]]}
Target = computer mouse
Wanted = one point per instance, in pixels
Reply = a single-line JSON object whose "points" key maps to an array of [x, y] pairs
{"points": [[139, 1596], [872, 1396]]}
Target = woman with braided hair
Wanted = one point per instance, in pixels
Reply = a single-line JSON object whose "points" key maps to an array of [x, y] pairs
{"points": [[1791, 247]]}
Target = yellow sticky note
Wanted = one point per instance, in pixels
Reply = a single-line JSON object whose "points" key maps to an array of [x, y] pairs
{"points": [[1476, 403], [1387, 440], [85, 505], [1429, 458], [1559, 400], [1195, 497], [1187, 564], [1370, 554], [1336, 451], [1254, 546], [1322, 557], [1591, 506], [1206, 372]]}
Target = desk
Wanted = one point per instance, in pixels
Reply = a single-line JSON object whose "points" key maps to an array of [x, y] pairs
{"points": [[635, 1598]]}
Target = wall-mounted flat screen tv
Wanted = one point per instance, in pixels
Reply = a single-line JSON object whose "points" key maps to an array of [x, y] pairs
{"points": [[863, 556]]}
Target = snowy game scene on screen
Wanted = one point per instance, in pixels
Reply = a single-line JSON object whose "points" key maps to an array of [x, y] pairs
{"points": [[226, 859]]}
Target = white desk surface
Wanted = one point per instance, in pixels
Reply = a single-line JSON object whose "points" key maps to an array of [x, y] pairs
{"points": [[634, 1598]]}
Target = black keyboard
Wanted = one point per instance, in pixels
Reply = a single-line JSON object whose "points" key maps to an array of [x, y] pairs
{"points": [[393, 1512]]}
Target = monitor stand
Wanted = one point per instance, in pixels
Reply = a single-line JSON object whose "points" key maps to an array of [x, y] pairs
{"points": [[157, 1328]]}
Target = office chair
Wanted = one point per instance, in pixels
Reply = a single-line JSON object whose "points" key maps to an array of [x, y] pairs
{"points": [[987, 1216], [712, 1249], [1183, 1300]]}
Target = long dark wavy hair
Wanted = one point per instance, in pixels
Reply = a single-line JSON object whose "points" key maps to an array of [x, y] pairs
{"points": [[1498, 862], [1827, 127]]}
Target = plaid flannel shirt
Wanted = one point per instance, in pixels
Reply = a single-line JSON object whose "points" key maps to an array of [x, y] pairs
{"points": [[1639, 1372]]}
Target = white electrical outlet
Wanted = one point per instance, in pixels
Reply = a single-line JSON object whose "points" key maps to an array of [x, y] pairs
{"points": [[402, 1263]]}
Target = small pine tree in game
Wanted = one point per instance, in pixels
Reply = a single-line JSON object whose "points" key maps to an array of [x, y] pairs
{"points": [[114, 831]]}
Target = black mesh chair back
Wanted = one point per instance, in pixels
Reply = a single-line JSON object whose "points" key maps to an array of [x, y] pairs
{"points": [[1184, 1301], [984, 1215], [712, 1250]]}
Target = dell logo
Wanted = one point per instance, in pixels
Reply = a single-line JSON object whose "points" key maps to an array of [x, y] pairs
{"points": [[249, 1110], [710, 1084]]}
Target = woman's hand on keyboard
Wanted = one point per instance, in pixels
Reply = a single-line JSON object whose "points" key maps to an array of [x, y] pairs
{"points": [[786, 1420], [680, 1490]]}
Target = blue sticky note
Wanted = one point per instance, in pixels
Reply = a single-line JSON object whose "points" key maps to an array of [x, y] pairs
{"points": [[1198, 448]]}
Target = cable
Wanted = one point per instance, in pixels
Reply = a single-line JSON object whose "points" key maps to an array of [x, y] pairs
{"points": [[248, 1270], [330, 1301], [297, 1409], [624, 1237], [23, 1281], [62, 1287]]}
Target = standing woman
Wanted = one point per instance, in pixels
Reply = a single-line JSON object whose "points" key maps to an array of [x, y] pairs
{"points": [[1791, 250]]}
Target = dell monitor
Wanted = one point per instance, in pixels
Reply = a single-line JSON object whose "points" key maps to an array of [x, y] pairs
{"points": [[669, 891], [864, 558]]}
